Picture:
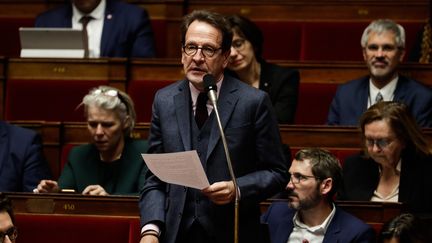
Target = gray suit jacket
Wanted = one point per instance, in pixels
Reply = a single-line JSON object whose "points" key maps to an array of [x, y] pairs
{"points": [[254, 143]]}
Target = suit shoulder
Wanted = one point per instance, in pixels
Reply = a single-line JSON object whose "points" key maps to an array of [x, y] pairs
{"points": [[350, 221], [126, 8], [416, 86], [17, 131], [55, 13]]}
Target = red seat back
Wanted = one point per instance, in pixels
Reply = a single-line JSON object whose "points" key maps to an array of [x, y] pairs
{"points": [[314, 102], [49, 100], [142, 93]]}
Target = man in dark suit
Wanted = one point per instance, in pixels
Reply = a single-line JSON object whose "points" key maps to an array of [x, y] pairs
{"points": [[310, 214], [116, 29], [383, 43], [22, 165], [172, 213]]}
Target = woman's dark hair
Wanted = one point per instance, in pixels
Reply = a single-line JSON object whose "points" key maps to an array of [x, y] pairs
{"points": [[249, 31], [405, 227]]}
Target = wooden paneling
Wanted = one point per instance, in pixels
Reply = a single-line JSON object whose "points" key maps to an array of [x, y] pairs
{"points": [[298, 10], [112, 70]]}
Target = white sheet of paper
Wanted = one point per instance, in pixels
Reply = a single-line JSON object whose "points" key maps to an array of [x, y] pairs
{"points": [[181, 168]]}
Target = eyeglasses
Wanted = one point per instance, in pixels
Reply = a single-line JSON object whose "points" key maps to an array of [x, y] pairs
{"points": [[207, 51], [12, 233], [239, 44], [381, 143], [296, 178]]}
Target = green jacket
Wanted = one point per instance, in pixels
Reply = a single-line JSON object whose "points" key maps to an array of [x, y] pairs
{"points": [[125, 176]]}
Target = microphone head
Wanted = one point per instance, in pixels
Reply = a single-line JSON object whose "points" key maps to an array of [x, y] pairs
{"points": [[209, 82]]}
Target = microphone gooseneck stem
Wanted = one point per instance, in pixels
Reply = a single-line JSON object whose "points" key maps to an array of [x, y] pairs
{"points": [[231, 171]]}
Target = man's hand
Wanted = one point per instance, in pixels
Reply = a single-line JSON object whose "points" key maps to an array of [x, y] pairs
{"points": [[46, 186], [222, 192], [95, 190]]}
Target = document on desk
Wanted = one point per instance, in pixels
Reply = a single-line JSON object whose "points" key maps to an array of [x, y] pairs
{"points": [[181, 168]]}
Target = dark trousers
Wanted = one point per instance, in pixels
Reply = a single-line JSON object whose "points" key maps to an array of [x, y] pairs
{"points": [[195, 234]]}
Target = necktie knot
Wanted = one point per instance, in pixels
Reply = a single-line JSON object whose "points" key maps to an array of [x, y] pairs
{"points": [[379, 97], [201, 113]]}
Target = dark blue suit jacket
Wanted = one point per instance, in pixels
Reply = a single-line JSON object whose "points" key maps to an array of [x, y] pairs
{"points": [[126, 32], [344, 228], [22, 165], [351, 101], [254, 143]]}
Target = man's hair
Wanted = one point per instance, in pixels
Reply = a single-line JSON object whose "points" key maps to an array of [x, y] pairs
{"points": [[122, 104], [324, 165], [6, 206], [216, 20], [401, 122], [383, 25], [248, 30]]}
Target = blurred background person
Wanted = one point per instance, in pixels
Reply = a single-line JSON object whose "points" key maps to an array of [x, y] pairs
{"points": [[115, 28], [405, 228], [22, 164], [247, 64], [112, 163], [396, 163], [8, 231], [383, 44]]}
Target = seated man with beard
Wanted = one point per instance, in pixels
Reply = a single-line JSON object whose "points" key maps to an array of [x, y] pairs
{"points": [[311, 215]]}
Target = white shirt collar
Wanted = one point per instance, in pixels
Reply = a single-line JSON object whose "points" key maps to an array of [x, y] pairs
{"points": [[321, 229], [97, 13], [387, 91]]}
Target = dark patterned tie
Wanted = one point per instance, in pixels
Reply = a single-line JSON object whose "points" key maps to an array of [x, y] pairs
{"points": [[378, 98], [84, 21], [201, 113]]}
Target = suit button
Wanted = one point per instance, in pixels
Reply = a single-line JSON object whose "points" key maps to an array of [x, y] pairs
{"points": [[199, 153], [199, 138], [197, 201]]}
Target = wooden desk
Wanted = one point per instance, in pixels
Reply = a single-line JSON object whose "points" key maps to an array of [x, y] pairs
{"points": [[69, 218], [111, 69], [69, 203]]}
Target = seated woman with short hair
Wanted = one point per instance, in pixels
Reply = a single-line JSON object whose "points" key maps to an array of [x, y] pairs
{"points": [[112, 163]]}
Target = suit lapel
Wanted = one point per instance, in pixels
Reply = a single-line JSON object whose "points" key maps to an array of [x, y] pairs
{"points": [[400, 91], [334, 228], [363, 96], [183, 114], [284, 230], [107, 28], [226, 103], [4, 144]]}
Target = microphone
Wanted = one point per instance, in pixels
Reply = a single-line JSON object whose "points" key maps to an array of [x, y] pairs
{"points": [[211, 89]]}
